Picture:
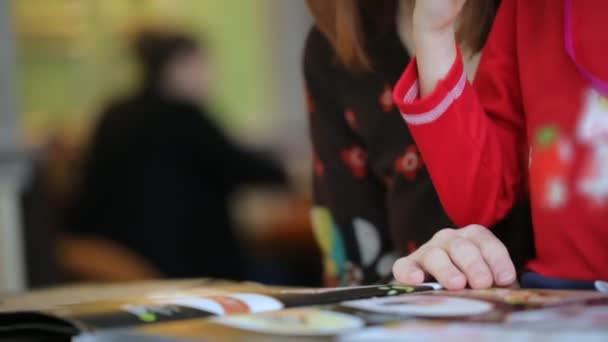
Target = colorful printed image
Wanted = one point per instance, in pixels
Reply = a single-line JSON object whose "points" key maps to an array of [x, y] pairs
{"points": [[442, 331], [427, 331], [302, 322], [531, 297], [237, 303], [323, 290], [575, 316], [423, 306], [369, 290], [332, 245], [193, 292]]}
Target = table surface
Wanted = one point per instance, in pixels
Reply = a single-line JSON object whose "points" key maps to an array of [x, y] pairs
{"points": [[471, 315]]}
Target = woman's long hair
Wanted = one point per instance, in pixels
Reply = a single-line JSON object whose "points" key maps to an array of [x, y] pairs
{"points": [[343, 22]]}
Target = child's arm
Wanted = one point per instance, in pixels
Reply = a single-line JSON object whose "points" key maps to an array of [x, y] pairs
{"points": [[472, 139]]}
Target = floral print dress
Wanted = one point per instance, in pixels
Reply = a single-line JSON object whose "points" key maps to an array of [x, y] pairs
{"points": [[373, 198]]}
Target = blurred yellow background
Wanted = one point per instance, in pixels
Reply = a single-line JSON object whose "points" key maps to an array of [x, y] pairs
{"points": [[72, 56]]}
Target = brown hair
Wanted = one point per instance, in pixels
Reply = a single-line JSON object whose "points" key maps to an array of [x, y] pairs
{"points": [[154, 49], [343, 22]]}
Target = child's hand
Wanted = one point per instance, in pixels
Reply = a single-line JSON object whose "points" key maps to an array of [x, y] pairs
{"points": [[471, 255], [434, 39], [436, 15]]}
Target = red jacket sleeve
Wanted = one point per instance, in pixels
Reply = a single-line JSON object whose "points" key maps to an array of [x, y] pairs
{"points": [[473, 138]]}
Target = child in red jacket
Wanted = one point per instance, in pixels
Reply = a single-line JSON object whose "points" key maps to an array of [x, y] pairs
{"points": [[534, 122]]}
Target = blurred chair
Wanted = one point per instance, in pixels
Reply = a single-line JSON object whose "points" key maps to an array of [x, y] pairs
{"points": [[53, 257], [90, 258]]}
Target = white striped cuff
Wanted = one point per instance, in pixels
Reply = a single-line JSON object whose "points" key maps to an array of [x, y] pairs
{"points": [[437, 112]]}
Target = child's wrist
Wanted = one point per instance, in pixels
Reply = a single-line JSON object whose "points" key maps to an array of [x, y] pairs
{"points": [[433, 38], [435, 54]]}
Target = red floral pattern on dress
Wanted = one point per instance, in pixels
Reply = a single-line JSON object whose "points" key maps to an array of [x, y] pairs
{"points": [[409, 163], [355, 159], [386, 99], [318, 165], [351, 119]]}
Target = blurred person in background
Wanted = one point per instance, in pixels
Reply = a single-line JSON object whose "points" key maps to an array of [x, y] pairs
{"points": [[156, 180], [374, 199]]}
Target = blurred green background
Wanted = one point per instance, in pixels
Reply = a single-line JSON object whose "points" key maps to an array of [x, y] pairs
{"points": [[73, 57]]}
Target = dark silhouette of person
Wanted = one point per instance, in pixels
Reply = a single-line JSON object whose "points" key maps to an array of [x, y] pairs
{"points": [[159, 172]]}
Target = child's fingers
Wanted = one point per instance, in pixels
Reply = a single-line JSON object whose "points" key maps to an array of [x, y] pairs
{"points": [[407, 271], [494, 253], [470, 255], [467, 256], [437, 262]]}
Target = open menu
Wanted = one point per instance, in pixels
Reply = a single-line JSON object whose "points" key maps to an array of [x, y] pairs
{"points": [[90, 309], [220, 311]]}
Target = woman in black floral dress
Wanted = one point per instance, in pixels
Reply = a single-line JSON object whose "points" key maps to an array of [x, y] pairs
{"points": [[374, 200]]}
